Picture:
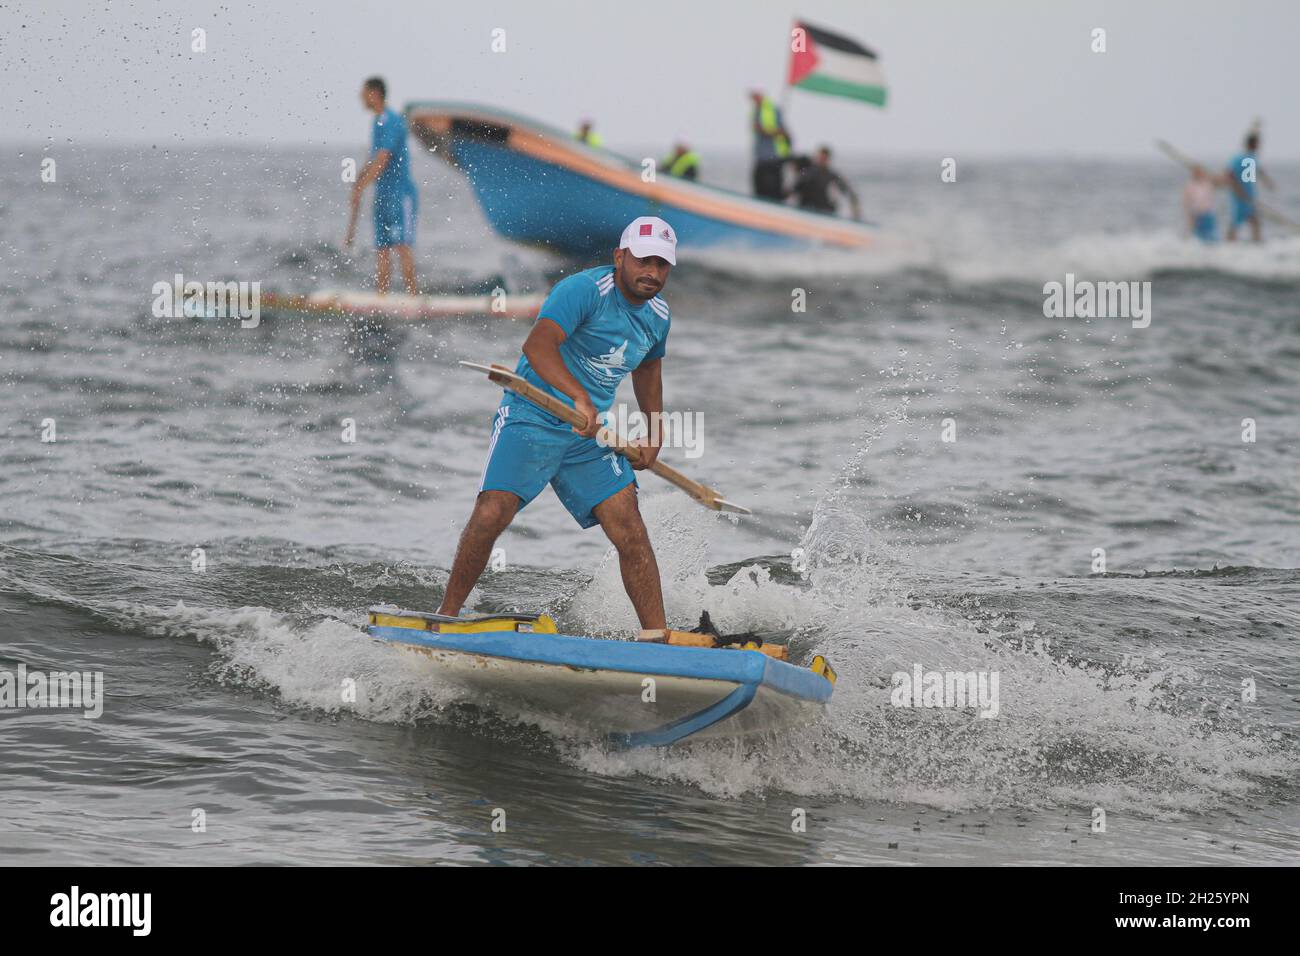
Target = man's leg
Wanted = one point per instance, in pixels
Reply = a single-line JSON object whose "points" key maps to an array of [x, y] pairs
{"points": [[383, 268], [620, 517], [493, 512], [408, 269]]}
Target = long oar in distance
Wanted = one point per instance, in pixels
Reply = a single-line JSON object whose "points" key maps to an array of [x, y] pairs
{"points": [[606, 436], [1268, 212]]}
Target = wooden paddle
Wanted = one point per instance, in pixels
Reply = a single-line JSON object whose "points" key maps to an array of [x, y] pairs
{"points": [[606, 436], [1178, 156]]}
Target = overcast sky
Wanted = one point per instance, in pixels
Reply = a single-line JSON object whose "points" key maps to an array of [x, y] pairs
{"points": [[972, 76]]}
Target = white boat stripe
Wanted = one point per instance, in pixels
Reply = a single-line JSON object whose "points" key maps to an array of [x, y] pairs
{"points": [[502, 414]]}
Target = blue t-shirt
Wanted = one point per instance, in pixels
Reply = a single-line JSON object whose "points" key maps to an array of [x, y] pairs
{"points": [[606, 335], [389, 132], [1237, 169]]}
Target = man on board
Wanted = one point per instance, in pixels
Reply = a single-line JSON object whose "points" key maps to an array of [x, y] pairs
{"points": [[1243, 175], [595, 327], [396, 201], [815, 181], [771, 146], [1198, 205]]}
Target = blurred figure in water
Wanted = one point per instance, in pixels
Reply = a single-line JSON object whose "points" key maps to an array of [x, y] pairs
{"points": [[1198, 204], [396, 200]]}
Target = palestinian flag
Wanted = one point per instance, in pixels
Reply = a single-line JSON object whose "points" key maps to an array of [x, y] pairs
{"points": [[834, 64]]}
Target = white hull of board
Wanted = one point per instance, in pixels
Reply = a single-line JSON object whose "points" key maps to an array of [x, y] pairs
{"points": [[611, 702]]}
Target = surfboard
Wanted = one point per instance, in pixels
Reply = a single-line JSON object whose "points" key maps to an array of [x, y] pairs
{"points": [[401, 307], [633, 694]]}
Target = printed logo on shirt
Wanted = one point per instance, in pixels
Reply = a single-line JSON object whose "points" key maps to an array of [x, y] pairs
{"points": [[612, 363]]}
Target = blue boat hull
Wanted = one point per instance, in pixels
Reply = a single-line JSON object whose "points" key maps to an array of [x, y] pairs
{"points": [[540, 187]]}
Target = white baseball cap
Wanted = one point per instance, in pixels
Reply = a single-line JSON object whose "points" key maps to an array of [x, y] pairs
{"points": [[650, 236]]}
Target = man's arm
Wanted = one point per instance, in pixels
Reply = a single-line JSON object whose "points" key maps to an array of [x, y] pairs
{"points": [[542, 349], [369, 173], [844, 186], [648, 384]]}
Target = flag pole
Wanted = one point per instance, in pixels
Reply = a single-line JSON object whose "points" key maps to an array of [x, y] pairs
{"points": [[785, 88]]}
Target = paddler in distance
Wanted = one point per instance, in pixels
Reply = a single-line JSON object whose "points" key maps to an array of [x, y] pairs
{"points": [[594, 328], [396, 199], [1243, 174], [1198, 205]]}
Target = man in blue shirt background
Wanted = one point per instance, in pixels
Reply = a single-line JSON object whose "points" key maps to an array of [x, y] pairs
{"points": [[595, 328], [1243, 177], [396, 201]]}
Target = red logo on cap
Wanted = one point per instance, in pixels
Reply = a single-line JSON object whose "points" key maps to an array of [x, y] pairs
{"points": [[646, 229]]}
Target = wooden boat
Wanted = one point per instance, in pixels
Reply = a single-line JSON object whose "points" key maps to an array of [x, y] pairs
{"points": [[540, 186]]}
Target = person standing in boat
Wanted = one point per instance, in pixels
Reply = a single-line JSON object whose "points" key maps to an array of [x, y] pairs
{"points": [[684, 163], [588, 136], [771, 147], [814, 182], [595, 328], [1244, 175], [396, 199]]}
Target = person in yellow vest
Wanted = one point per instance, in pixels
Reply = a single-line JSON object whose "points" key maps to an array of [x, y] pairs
{"points": [[771, 147], [587, 135], [684, 163]]}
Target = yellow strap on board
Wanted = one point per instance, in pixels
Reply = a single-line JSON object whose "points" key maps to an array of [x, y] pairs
{"points": [[544, 624], [821, 665]]}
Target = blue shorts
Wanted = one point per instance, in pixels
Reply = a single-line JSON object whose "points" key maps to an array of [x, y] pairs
{"points": [[1241, 212], [395, 220], [531, 448], [1206, 228]]}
